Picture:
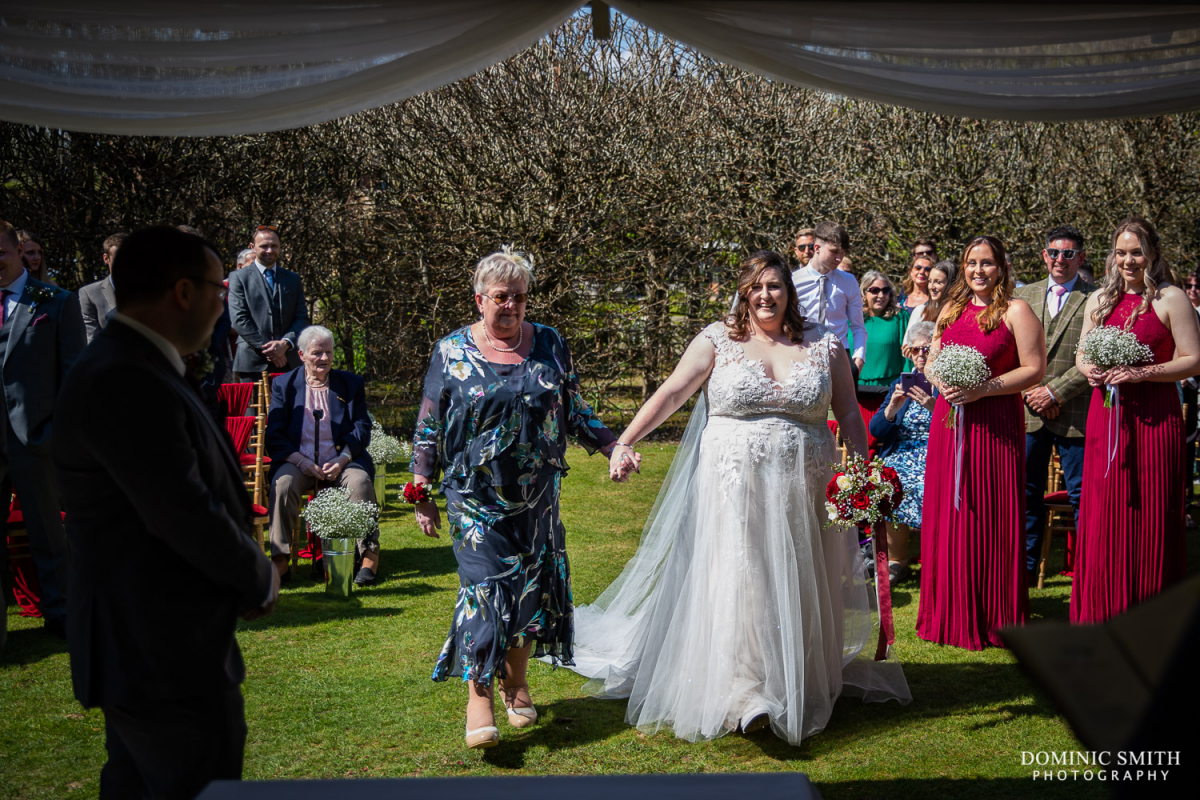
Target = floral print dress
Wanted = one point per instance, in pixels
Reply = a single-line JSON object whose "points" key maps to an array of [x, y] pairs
{"points": [[908, 459], [497, 433]]}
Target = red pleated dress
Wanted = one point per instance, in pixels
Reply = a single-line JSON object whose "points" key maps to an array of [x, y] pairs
{"points": [[973, 556], [1131, 516]]}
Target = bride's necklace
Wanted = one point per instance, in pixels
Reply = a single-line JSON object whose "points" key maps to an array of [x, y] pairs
{"points": [[488, 336]]}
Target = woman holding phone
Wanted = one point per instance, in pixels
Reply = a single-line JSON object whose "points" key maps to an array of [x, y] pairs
{"points": [[901, 431]]}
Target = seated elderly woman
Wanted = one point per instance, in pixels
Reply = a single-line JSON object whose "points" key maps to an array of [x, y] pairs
{"points": [[901, 431], [342, 433]]}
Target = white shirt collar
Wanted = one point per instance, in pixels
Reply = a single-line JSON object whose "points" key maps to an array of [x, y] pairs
{"points": [[1051, 283], [156, 338], [17, 287], [262, 269]]}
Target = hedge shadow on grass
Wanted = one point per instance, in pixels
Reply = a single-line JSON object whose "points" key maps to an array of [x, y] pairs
{"points": [[30, 645]]}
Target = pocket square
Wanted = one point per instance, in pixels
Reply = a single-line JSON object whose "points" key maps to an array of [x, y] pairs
{"points": [[38, 320]]}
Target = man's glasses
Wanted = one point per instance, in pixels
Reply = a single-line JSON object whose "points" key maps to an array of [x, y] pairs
{"points": [[1067, 255], [1191, 286], [222, 290], [503, 299], [807, 247], [879, 290]]}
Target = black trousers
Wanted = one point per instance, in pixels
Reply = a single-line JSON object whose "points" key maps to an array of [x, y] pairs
{"points": [[172, 750]]}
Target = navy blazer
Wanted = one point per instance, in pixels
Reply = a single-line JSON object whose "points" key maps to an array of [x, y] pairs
{"points": [[347, 418], [884, 430]]}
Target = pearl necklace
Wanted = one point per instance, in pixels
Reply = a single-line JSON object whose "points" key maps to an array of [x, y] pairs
{"points": [[488, 336]]}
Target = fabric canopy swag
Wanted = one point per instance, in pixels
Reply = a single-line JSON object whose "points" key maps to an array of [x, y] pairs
{"points": [[219, 68]]}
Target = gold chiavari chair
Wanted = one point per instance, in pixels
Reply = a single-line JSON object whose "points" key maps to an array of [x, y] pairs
{"points": [[1060, 514]]}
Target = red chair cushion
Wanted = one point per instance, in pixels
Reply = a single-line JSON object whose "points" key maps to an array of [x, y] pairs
{"points": [[248, 458], [832, 423], [240, 429], [1059, 498], [259, 511], [235, 398]]}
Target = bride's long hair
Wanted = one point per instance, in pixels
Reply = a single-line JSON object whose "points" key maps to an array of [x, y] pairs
{"points": [[753, 268]]}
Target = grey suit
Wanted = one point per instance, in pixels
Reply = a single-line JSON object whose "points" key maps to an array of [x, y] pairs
{"points": [[40, 342], [260, 316], [96, 301]]}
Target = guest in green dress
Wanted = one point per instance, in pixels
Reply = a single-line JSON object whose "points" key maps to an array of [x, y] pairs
{"points": [[885, 321]]}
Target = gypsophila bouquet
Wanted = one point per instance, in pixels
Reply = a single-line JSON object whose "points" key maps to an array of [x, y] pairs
{"points": [[385, 449], [1108, 346], [863, 493], [333, 515], [960, 366]]}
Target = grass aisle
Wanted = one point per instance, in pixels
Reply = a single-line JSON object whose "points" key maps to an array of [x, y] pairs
{"points": [[342, 689]]}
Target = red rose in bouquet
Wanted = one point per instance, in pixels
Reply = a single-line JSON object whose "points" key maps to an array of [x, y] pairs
{"points": [[860, 500], [831, 488]]}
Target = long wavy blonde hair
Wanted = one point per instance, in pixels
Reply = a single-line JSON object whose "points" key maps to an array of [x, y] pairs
{"points": [[959, 293], [1157, 272]]}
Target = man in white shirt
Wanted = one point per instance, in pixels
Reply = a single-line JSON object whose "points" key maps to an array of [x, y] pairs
{"points": [[832, 297]]}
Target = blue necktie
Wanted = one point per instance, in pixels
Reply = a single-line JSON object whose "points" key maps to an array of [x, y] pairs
{"points": [[270, 276]]}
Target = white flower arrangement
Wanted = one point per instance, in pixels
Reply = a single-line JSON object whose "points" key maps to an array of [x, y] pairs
{"points": [[333, 515], [1108, 346], [960, 366], [385, 449]]}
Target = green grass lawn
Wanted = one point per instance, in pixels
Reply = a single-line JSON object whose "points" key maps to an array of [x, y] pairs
{"points": [[341, 689]]}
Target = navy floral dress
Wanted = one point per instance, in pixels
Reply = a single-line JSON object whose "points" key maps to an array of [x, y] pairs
{"points": [[908, 459], [498, 435]]}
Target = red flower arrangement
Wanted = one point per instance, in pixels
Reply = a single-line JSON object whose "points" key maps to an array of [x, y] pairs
{"points": [[416, 494], [864, 493]]}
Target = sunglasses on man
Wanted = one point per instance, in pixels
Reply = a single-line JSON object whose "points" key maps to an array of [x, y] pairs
{"points": [[808, 247], [1067, 255]]}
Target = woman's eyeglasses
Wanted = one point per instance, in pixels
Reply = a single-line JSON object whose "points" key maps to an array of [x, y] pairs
{"points": [[879, 290], [919, 351], [502, 299], [922, 268]]}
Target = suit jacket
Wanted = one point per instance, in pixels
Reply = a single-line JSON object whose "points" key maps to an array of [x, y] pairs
{"points": [[1062, 340], [348, 418], [43, 340], [260, 316], [96, 300], [159, 523]]}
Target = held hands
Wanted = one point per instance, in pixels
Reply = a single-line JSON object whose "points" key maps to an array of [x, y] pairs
{"points": [[623, 461], [276, 352], [1118, 375], [332, 470], [310, 468], [1042, 403]]}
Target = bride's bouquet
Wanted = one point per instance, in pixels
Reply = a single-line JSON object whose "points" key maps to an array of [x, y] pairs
{"points": [[333, 515], [1108, 346], [960, 366], [864, 493]]}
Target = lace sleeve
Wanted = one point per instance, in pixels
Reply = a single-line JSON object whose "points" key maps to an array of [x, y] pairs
{"points": [[716, 333], [427, 438]]}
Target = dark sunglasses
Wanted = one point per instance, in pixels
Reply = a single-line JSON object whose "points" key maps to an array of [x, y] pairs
{"points": [[920, 268], [1067, 255], [501, 299], [920, 351], [879, 290], [1191, 286], [271, 228], [805, 246]]}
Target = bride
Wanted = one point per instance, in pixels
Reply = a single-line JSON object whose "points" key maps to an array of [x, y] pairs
{"points": [[739, 609]]}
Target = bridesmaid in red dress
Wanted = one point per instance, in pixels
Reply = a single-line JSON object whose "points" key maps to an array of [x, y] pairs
{"points": [[972, 562], [1131, 530]]}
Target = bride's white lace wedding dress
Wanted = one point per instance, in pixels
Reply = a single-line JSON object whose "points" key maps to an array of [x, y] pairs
{"points": [[739, 601]]}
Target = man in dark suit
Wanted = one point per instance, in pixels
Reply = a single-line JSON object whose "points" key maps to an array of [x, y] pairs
{"points": [[41, 336], [1056, 411], [160, 530], [97, 300], [266, 302]]}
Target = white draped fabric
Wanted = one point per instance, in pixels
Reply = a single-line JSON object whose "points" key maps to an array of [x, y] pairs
{"points": [[220, 68]]}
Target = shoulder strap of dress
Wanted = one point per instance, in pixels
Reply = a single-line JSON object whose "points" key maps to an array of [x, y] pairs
{"points": [[719, 336], [823, 348]]}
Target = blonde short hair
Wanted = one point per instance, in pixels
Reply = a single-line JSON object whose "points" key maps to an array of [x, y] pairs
{"points": [[506, 266]]}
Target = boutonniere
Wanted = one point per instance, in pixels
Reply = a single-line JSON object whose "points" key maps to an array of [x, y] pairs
{"points": [[38, 294], [200, 364]]}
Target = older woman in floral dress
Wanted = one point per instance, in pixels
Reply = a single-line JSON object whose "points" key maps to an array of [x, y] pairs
{"points": [[500, 397]]}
